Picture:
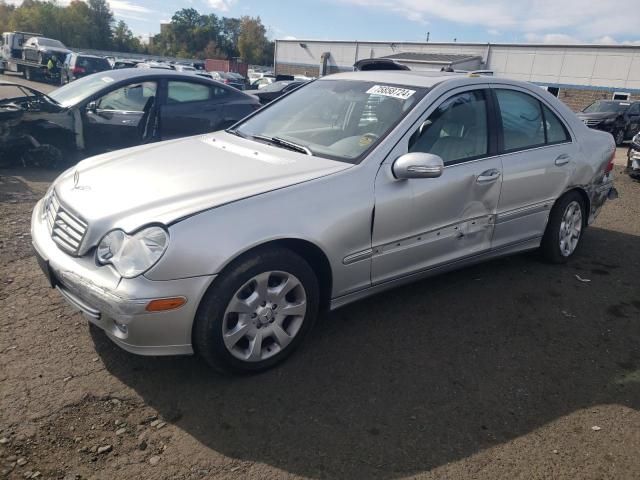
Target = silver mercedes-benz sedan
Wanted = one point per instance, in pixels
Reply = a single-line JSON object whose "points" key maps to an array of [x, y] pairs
{"points": [[228, 244]]}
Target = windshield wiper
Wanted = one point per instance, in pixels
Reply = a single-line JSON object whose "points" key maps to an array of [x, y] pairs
{"points": [[281, 142], [235, 132]]}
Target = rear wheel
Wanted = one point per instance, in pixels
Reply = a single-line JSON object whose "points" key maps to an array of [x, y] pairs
{"points": [[564, 229], [257, 311], [619, 137]]}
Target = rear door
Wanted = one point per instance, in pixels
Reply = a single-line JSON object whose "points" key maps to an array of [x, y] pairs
{"points": [[538, 156], [190, 108]]}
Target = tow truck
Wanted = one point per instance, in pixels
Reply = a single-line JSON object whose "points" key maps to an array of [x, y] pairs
{"points": [[11, 58]]}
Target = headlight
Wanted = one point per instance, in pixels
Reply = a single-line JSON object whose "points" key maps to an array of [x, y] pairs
{"points": [[132, 255], [609, 120]]}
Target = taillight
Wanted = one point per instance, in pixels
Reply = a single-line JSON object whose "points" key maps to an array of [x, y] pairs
{"points": [[226, 80], [77, 70], [609, 166]]}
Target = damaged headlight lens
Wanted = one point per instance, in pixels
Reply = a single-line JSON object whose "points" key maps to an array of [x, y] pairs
{"points": [[132, 255]]}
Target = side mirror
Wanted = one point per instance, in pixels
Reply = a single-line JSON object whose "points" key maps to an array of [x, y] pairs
{"points": [[92, 107], [417, 165]]}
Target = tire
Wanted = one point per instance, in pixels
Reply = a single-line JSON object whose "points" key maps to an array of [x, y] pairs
{"points": [[44, 156], [263, 321], [562, 238], [619, 137]]}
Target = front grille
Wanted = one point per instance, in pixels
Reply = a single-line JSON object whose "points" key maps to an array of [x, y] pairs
{"points": [[591, 123], [66, 229]]}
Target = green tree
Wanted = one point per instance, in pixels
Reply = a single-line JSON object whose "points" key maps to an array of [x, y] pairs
{"points": [[101, 18], [252, 41], [123, 38]]}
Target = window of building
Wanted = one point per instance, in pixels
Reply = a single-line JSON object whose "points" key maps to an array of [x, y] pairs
{"points": [[456, 131], [553, 91], [621, 96]]}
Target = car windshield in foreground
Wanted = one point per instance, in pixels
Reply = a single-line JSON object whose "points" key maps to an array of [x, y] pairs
{"points": [[336, 119], [77, 91], [607, 107]]}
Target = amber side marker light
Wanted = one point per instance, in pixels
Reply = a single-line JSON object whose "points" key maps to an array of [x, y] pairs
{"points": [[163, 304]]}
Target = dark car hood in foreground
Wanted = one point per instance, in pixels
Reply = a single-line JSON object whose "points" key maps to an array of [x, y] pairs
{"points": [[167, 181]]}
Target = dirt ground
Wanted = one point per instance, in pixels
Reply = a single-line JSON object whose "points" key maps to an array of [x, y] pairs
{"points": [[514, 369]]}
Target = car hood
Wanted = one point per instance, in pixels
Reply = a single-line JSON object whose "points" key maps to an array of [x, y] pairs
{"points": [[596, 115], [165, 182]]}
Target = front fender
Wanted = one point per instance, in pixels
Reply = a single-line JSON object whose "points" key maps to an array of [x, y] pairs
{"points": [[333, 213]]}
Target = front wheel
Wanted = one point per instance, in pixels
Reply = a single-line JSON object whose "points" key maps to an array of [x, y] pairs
{"points": [[619, 137], [257, 311], [564, 229]]}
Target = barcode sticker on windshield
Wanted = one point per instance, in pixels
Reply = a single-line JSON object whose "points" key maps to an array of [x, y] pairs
{"points": [[395, 92]]}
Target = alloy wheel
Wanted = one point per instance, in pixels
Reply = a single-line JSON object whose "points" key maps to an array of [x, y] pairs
{"points": [[264, 316], [570, 228]]}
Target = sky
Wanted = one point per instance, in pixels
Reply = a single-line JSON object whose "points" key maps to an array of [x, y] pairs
{"points": [[530, 21]]}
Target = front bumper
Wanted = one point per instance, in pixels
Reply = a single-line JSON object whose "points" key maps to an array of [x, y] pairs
{"points": [[117, 305]]}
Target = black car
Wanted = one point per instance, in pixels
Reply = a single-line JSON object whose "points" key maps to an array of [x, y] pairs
{"points": [[78, 65], [620, 118], [123, 108], [275, 90]]}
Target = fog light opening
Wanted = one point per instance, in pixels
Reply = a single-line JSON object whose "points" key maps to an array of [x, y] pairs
{"points": [[164, 304], [122, 327]]}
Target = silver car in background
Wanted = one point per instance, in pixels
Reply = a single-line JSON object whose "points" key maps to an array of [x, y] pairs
{"points": [[228, 244]]}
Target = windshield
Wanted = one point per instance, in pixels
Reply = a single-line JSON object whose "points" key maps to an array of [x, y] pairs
{"points": [[606, 107], [49, 42], [337, 119], [77, 91]]}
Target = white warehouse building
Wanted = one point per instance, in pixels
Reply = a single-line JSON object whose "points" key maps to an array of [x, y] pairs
{"points": [[577, 74]]}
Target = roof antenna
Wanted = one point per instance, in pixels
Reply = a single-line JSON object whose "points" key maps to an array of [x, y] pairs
{"points": [[428, 35]]}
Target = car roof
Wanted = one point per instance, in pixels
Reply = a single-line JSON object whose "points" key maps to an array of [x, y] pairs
{"points": [[87, 55], [127, 73], [423, 79]]}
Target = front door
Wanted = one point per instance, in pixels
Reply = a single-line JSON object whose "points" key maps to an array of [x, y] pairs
{"points": [[114, 120], [423, 223], [538, 156]]}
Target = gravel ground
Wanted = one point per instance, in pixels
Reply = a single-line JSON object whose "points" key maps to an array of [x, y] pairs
{"points": [[513, 369]]}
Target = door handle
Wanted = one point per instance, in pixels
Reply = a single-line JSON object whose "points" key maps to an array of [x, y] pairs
{"points": [[562, 159], [488, 176]]}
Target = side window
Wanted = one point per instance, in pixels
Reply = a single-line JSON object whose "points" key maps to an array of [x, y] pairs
{"points": [[521, 120], [456, 131], [635, 109], [183, 92], [131, 98], [556, 131]]}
